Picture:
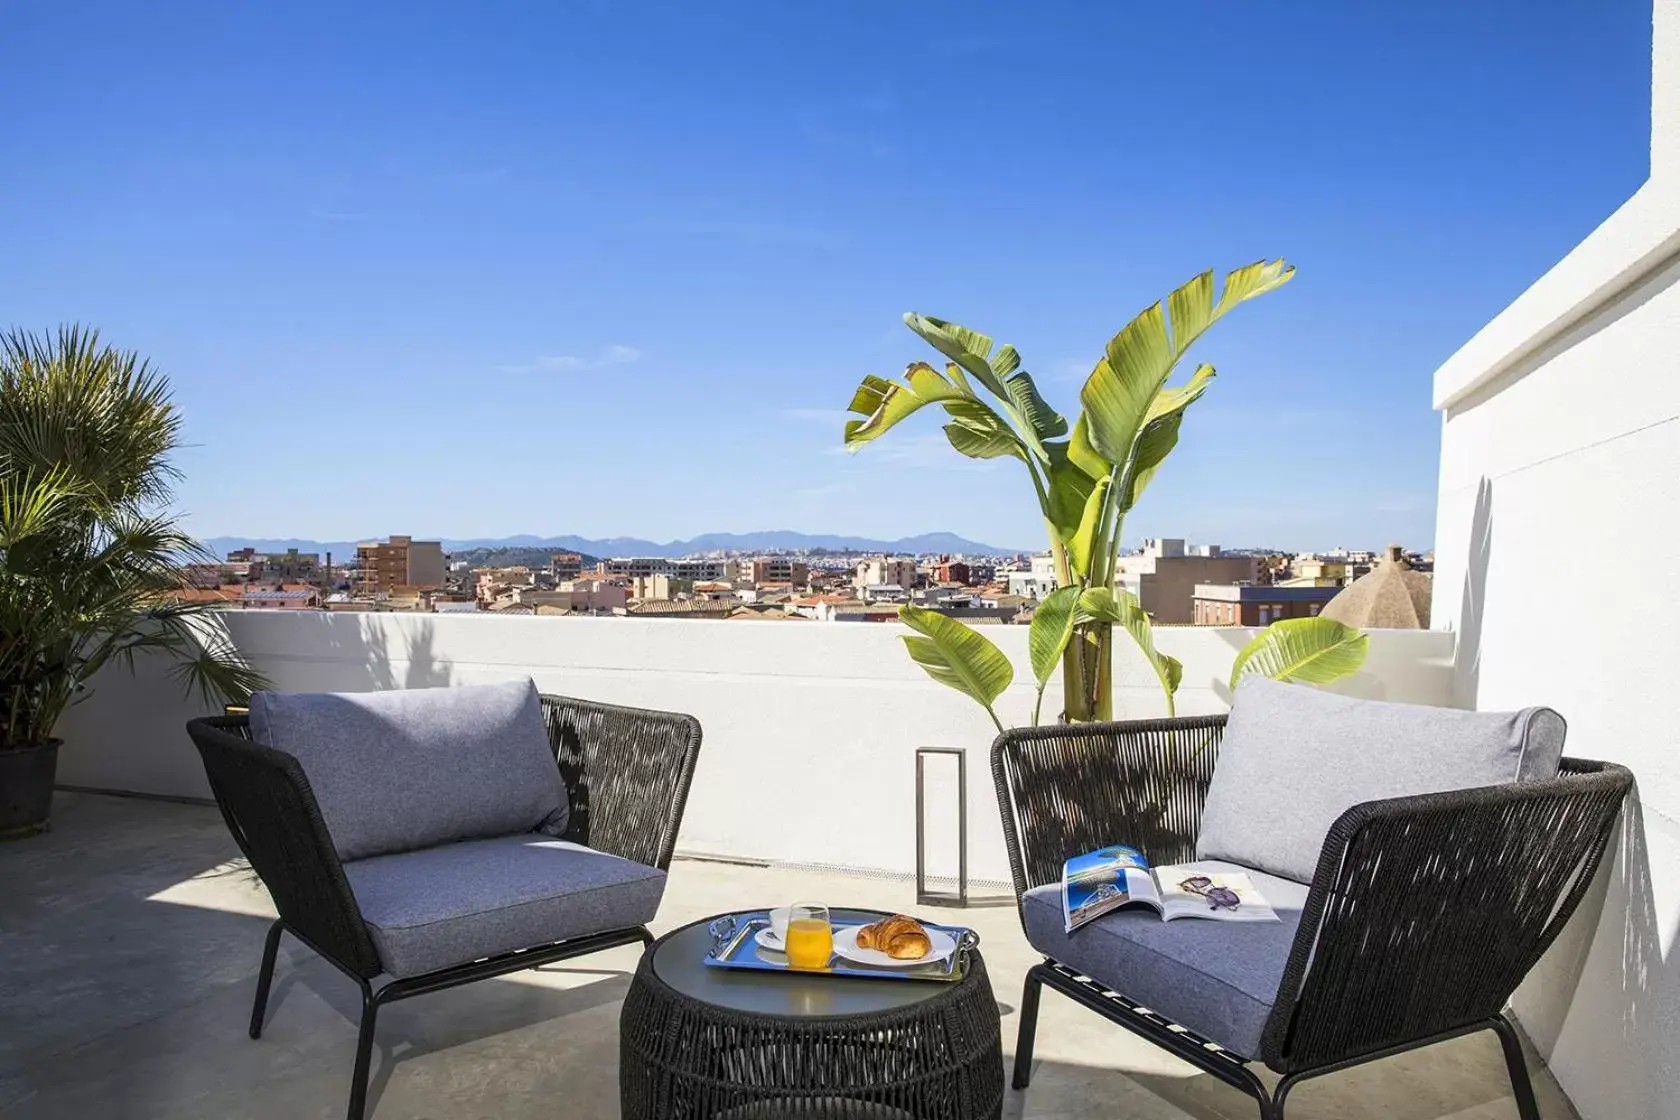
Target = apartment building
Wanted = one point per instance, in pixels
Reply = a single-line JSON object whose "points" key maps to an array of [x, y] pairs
{"points": [[1250, 604], [776, 569], [878, 570], [1312, 571], [398, 565], [292, 566], [1164, 575], [566, 565], [1036, 580], [650, 587], [636, 567], [947, 570]]}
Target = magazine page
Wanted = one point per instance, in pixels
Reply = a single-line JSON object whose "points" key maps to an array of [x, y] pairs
{"points": [[1193, 891], [1104, 880]]}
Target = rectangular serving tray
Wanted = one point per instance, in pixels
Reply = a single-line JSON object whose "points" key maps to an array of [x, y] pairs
{"points": [[734, 945]]}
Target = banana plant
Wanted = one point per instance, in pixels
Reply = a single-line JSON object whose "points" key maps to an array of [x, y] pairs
{"points": [[1085, 476]]}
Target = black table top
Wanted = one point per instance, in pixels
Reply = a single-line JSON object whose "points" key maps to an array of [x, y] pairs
{"points": [[678, 957]]}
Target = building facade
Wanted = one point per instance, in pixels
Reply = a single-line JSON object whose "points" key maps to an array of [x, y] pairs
{"points": [[1250, 604], [1164, 575], [878, 570], [777, 569], [1036, 580], [396, 566]]}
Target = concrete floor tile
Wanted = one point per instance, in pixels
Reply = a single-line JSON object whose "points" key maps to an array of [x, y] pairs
{"points": [[130, 940]]}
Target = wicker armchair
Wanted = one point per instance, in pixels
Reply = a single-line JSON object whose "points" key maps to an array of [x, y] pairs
{"points": [[1423, 916], [627, 774]]}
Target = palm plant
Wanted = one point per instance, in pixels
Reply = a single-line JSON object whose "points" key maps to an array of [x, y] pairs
{"points": [[90, 563], [1086, 478]]}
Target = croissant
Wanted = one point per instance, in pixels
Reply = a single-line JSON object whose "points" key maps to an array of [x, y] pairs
{"points": [[899, 937]]}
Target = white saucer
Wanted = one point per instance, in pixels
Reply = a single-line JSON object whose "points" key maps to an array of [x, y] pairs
{"points": [[767, 939]]}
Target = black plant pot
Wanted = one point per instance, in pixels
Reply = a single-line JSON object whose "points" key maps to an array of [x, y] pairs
{"points": [[26, 789]]}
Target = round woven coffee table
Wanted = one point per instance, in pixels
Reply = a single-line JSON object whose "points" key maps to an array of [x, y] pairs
{"points": [[700, 1043]]}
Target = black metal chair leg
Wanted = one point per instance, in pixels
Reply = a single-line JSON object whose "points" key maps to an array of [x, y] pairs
{"points": [[1527, 1107], [1029, 1029], [265, 977], [1274, 1110], [364, 1054]]}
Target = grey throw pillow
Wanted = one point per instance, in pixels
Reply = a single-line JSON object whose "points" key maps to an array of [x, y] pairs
{"points": [[1295, 758], [406, 769]]}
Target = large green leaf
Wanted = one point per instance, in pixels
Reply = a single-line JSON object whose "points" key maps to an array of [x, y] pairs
{"points": [[1052, 626], [1005, 362], [1082, 454], [956, 655], [1045, 422], [1121, 389], [1160, 431], [1119, 607], [980, 433], [884, 403], [1117, 394], [1154, 445], [1067, 487], [969, 349], [1311, 650], [1174, 399], [1083, 542]]}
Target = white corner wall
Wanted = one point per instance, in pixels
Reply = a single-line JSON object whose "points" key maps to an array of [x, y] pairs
{"points": [[814, 723], [1557, 552]]}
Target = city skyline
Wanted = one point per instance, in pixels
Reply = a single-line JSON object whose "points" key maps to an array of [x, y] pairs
{"points": [[457, 274], [765, 542]]}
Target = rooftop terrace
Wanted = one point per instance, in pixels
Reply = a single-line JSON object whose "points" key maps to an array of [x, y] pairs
{"points": [[129, 944]]}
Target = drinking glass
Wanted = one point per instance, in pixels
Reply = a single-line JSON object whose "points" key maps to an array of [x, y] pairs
{"points": [[810, 937]]}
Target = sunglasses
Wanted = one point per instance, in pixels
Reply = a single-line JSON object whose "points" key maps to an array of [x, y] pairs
{"points": [[1220, 898]]}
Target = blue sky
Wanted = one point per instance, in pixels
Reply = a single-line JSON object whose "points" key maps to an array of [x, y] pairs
{"points": [[616, 268]]}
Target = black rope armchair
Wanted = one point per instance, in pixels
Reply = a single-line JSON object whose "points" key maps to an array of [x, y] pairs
{"points": [[627, 773], [1422, 917]]}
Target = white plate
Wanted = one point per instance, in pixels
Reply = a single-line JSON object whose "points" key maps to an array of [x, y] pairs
{"points": [[845, 944], [767, 939]]}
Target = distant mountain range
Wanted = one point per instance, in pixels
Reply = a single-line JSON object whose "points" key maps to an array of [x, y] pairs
{"points": [[770, 540]]}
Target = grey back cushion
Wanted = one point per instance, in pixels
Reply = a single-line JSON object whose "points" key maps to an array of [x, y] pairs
{"points": [[406, 769], [1295, 758]]}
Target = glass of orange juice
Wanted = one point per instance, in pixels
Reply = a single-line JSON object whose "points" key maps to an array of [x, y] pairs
{"points": [[810, 937]]}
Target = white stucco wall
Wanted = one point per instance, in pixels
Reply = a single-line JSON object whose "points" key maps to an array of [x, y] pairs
{"points": [[1561, 437], [814, 723]]}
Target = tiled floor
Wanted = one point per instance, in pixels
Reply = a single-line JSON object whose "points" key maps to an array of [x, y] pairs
{"points": [[129, 940]]}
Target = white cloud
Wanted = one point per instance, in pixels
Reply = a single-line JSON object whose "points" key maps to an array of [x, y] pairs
{"points": [[614, 355]]}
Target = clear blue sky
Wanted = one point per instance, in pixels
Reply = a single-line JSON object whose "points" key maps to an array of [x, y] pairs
{"points": [[616, 268]]}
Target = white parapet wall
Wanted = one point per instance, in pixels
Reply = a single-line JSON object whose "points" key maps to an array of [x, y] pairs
{"points": [[810, 728]]}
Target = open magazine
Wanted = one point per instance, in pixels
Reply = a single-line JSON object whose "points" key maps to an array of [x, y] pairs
{"points": [[1107, 879]]}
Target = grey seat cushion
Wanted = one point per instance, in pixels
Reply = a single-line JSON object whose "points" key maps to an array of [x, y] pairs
{"points": [[395, 771], [460, 902], [1295, 758], [1220, 979]]}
